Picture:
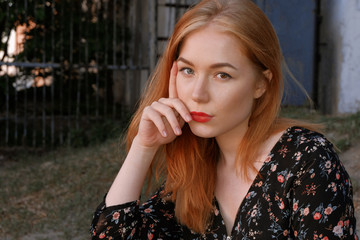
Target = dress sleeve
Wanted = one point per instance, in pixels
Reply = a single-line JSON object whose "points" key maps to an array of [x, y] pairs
{"points": [[322, 205], [152, 220]]}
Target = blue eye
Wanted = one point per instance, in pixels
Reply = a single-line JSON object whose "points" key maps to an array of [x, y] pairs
{"points": [[187, 71], [223, 76]]}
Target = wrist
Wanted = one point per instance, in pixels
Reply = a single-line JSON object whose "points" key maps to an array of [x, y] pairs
{"points": [[143, 150]]}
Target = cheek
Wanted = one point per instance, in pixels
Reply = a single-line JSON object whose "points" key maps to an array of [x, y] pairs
{"points": [[240, 101], [182, 90]]}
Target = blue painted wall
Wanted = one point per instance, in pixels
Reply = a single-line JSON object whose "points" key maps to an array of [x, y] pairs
{"points": [[294, 21]]}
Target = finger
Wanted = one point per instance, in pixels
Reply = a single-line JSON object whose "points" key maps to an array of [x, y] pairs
{"points": [[172, 81], [178, 106], [169, 115], [153, 116]]}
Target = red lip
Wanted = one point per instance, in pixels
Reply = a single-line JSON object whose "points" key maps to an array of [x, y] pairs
{"points": [[200, 117]]}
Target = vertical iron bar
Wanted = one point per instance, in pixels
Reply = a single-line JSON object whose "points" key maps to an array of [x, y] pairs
{"points": [[124, 72], [44, 85], [114, 51], [34, 143], [168, 10], [177, 9], [155, 42], [152, 26], [140, 52], [106, 21], [7, 114], [52, 75], [16, 93], [25, 82], [87, 35], [134, 53], [131, 19], [25, 32], [97, 63], [70, 74], [78, 90], [62, 74], [152, 21], [123, 32], [129, 54]]}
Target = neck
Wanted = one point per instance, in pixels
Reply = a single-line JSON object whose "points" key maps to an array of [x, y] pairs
{"points": [[229, 145]]}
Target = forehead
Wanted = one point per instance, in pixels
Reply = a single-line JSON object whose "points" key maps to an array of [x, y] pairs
{"points": [[212, 34], [211, 43]]}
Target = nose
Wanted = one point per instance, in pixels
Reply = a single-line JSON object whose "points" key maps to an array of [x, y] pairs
{"points": [[200, 90]]}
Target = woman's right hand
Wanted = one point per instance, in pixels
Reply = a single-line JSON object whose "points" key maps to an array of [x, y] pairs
{"points": [[161, 122]]}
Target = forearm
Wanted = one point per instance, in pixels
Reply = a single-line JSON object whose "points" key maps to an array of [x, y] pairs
{"points": [[130, 179]]}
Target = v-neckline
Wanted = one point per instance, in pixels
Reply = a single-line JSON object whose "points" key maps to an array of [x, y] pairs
{"points": [[256, 179]]}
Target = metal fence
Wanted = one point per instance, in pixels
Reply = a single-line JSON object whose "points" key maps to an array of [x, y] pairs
{"points": [[69, 66]]}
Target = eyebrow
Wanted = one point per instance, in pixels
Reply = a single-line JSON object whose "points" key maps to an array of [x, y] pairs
{"points": [[215, 65]]}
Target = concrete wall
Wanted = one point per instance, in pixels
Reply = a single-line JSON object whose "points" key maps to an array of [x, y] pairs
{"points": [[339, 68], [349, 87]]}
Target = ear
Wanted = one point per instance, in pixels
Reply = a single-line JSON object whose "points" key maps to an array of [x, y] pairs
{"points": [[268, 75], [262, 83]]}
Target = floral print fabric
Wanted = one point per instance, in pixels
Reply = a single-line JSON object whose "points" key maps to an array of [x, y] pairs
{"points": [[302, 191]]}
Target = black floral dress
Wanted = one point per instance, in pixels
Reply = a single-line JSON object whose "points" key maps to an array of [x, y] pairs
{"points": [[302, 192]]}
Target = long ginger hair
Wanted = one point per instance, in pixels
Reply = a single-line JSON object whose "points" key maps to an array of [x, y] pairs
{"points": [[189, 162]]}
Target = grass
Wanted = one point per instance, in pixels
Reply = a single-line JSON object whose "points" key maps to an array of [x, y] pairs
{"points": [[54, 194]]}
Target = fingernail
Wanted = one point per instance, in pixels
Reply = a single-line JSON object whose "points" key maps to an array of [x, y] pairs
{"points": [[178, 131], [164, 133], [188, 118]]}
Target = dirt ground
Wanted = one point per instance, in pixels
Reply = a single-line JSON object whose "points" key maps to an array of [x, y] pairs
{"points": [[351, 160]]}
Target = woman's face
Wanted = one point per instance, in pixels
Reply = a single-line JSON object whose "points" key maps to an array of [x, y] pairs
{"points": [[217, 83]]}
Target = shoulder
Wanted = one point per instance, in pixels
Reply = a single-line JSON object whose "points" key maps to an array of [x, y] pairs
{"points": [[302, 144], [302, 137], [301, 151], [309, 155]]}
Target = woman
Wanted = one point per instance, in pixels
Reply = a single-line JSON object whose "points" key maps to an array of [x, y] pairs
{"points": [[209, 124]]}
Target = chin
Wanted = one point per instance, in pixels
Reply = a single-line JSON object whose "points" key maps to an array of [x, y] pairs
{"points": [[200, 130]]}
